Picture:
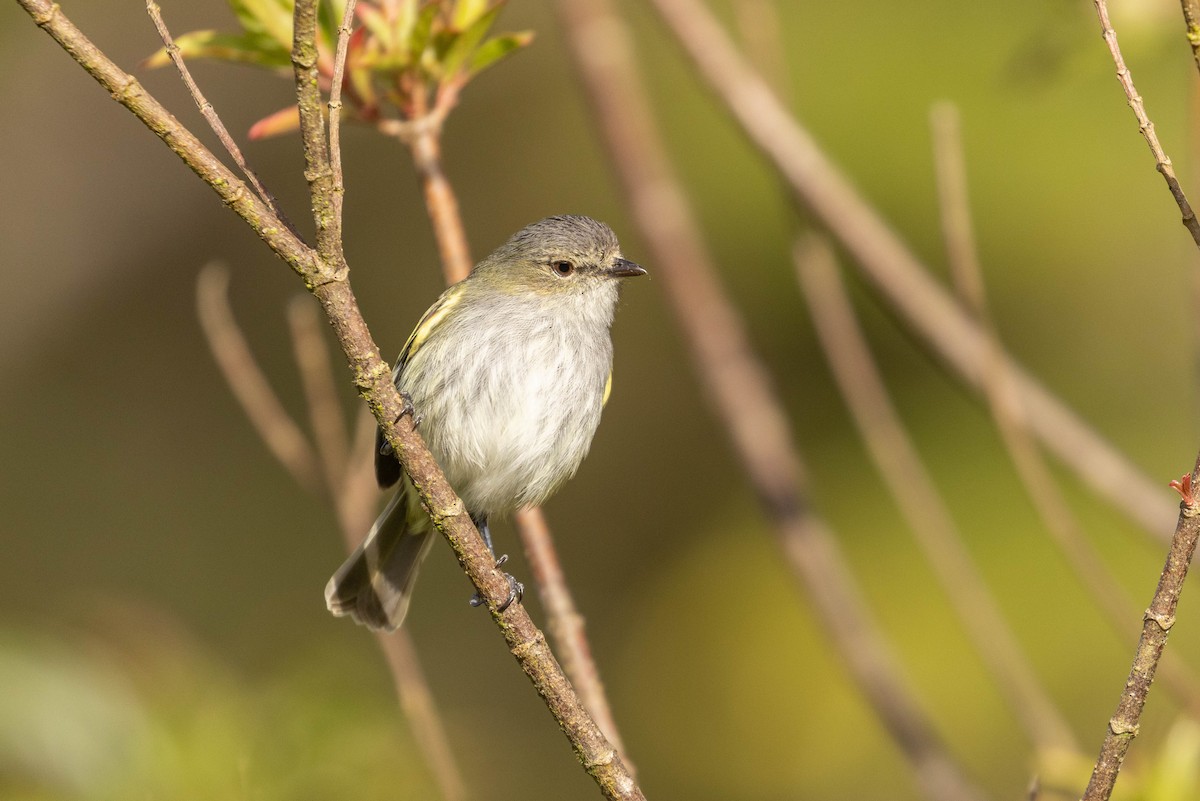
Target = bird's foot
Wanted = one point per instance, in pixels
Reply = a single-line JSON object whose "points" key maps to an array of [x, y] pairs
{"points": [[516, 590], [406, 408]]}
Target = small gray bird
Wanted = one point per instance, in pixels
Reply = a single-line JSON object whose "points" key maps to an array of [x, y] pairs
{"points": [[507, 374]]}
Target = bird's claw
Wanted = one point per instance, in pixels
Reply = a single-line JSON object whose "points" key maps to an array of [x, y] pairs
{"points": [[516, 590], [406, 408]]}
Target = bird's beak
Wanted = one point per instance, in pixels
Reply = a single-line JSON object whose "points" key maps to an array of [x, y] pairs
{"points": [[623, 268]]}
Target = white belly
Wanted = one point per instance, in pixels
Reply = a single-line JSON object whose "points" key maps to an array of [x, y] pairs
{"points": [[518, 419]]}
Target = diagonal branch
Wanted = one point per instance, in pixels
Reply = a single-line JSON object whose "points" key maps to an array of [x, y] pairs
{"points": [[324, 411], [126, 90], [1156, 625], [210, 114], [245, 378], [894, 271], [1161, 161], [902, 470]]}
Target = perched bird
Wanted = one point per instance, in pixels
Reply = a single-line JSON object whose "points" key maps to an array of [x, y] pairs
{"points": [[506, 374]]}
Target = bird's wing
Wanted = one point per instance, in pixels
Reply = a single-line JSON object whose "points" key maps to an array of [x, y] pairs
{"points": [[387, 466]]}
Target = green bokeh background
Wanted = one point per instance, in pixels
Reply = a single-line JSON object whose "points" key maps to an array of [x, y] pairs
{"points": [[162, 630]]}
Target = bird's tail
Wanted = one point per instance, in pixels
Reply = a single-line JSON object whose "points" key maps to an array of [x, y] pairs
{"points": [[375, 584]]}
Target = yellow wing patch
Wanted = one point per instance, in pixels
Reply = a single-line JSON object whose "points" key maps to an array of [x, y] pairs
{"points": [[429, 323], [607, 390]]}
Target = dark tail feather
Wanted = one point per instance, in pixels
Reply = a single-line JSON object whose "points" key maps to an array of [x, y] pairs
{"points": [[374, 586]]}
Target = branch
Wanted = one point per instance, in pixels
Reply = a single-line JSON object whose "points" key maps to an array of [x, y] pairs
{"points": [[278, 431], [1144, 124], [887, 263], [422, 136], [1191, 18], [325, 413], [210, 114], [327, 281], [1156, 625], [739, 389], [899, 465], [126, 90], [318, 170]]}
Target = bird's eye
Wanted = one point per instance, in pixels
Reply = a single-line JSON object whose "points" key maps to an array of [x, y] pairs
{"points": [[563, 267]]}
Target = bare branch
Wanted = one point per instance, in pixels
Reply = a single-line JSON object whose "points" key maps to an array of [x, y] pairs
{"points": [[1191, 17], [318, 170], [359, 490], [278, 431], [210, 114], [1156, 625], [1144, 124], [900, 278], [902, 470], [423, 138], [126, 90], [417, 702], [739, 389]]}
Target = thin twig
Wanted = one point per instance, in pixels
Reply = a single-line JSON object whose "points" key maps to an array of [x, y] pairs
{"points": [[318, 169], [327, 280], [335, 111], [761, 34], [1191, 18], [1145, 126], [902, 470], [739, 389], [1156, 625], [210, 114], [359, 489], [266, 413], [422, 136], [888, 264], [1005, 406], [325, 413], [417, 702]]}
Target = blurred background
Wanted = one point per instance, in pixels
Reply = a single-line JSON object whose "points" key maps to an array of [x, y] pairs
{"points": [[162, 627]]}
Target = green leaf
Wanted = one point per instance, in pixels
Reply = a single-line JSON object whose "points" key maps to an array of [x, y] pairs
{"points": [[421, 31], [272, 18], [495, 49], [466, 12], [246, 49], [465, 43]]}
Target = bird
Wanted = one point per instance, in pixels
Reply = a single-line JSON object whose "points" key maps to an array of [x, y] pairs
{"points": [[506, 376]]}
